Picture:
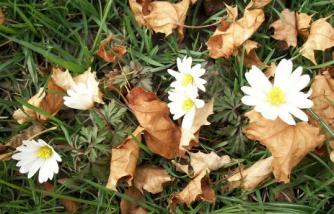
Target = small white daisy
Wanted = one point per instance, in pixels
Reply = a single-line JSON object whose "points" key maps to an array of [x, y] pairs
{"points": [[184, 104], [283, 98], [84, 92], [37, 155], [188, 77]]}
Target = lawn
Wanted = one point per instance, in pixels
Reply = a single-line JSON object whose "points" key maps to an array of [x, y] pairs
{"points": [[38, 37]]}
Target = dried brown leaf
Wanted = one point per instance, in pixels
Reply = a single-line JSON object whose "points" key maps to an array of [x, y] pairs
{"points": [[188, 136], [251, 58], [161, 16], [303, 24], [321, 38], [2, 17], [124, 160], [251, 177], [286, 28], [130, 206], [26, 134], [287, 144], [200, 162], [151, 178], [230, 36], [161, 135], [270, 71], [198, 189], [113, 55]]}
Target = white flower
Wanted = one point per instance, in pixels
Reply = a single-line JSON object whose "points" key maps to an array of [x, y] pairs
{"points": [[188, 78], [281, 99], [37, 155], [184, 104], [84, 91]]}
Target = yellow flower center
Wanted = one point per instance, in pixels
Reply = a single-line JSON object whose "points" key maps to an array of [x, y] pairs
{"points": [[276, 96], [187, 79], [187, 104], [44, 152]]}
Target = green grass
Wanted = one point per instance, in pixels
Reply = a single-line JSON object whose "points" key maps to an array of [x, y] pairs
{"points": [[42, 34]]}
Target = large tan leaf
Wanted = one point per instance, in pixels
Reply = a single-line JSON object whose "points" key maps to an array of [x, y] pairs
{"points": [[130, 206], [286, 28], [228, 37], [321, 38], [161, 16], [251, 177], [124, 160], [151, 178], [200, 161], [189, 136], [287, 144], [198, 189], [161, 135]]}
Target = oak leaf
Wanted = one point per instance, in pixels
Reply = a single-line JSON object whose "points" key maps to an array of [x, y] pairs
{"points": [[124, 160], [161, 16], [287, 144], [130, 206], [251, 58], [197, 189], [151, 178], [251, 177], [161, 135], [115, 53], [228, 37], [189, 137], [286, 28], [321, 38]]}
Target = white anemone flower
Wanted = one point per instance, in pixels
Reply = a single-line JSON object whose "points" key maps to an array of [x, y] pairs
{"points": [[37, 155], [283, 98], [184, 104], [84, 91], [188, 78]]}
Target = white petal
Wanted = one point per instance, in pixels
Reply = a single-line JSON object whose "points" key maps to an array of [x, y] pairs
{"points": [[197, 70], [286, 117], [298, 113], [283, 72], [199, 103], [269, 113], [249, 100], [35, 167], [44, 172], [257, 79], [174, 73], [188, 119], [302, 82]]}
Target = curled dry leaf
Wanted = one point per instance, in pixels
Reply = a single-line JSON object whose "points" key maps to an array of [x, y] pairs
{"points": [[287, 144], [321, 38], [115, 53], [251, 58], [270, 71], [49, 101], [303, 24], [331, 155], [198, 189], [161, 135], [251, 177], [286, 28], [130, 206], [181, 167], [151, 178], [228, 37], [323, 96], [161, 16], [200, 161], [124, 160], [189, 137]]}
